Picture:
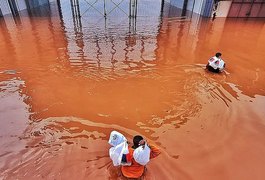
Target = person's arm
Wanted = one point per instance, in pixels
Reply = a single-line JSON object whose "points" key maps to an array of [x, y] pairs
{"points": [[154, 151]]}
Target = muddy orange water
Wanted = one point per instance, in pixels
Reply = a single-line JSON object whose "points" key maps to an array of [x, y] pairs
{"points": [[65, 87]]}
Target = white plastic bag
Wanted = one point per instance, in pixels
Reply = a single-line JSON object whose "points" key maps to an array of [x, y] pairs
{"points": [[116, 138], [142, 154], [212, 62], [117, 152], [221, 65]]}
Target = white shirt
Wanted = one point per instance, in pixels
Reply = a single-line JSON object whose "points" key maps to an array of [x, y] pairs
{"points": [[216, 62]]}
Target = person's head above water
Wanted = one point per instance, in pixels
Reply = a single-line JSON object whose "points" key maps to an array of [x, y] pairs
{"points": [[136, 141], [218, 54]]}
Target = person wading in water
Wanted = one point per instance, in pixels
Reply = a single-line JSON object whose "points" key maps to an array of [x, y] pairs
{"points": [[136, 170], [215, 63]]}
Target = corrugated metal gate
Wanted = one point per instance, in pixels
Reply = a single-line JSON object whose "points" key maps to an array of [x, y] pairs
{"points": [[247, 8]]}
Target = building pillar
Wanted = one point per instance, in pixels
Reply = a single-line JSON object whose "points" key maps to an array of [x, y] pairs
{"points": [[1, 14], [133, 8], [13, 7], [184, 8], [76, 15]]}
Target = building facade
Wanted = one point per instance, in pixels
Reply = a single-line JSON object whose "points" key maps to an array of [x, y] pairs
{"points": [[222, 8], [206, 8], [15, 7]]}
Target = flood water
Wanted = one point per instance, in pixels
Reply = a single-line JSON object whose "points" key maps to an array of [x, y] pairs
{"points": [[65, 86]]}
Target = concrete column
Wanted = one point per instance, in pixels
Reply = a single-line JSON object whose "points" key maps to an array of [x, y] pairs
{"points": [[60, 9], [184, 8], [13, 7], [133, 8], [76, 15]]}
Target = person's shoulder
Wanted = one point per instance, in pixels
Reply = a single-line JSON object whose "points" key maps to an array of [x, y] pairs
{"points": [[131, 150], [212, 59]]}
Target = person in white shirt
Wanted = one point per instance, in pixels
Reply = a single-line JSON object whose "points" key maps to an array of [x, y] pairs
{"points": [[215, 63]]}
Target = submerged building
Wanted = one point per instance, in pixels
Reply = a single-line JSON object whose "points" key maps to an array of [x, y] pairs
{"points": [[223, 8], [206, 8]]}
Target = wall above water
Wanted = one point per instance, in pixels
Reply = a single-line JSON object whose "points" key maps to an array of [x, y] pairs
{"points": [[241, 8], [15, 6], [202, 7], [222, 8]]}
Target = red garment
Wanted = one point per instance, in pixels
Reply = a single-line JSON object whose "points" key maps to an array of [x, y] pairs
{"points": [[136, 170]]}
